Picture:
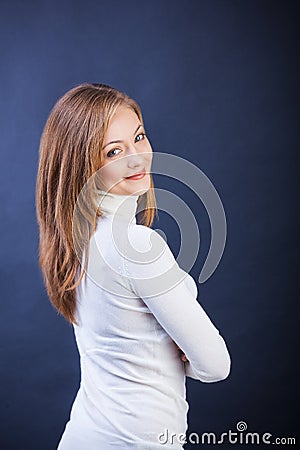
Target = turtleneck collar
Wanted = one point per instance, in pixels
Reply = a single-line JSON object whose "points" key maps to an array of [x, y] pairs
{"points": [[117, 205]]}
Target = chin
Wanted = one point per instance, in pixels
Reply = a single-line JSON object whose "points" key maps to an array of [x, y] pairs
{"points": [[137, 187], [131, 187]]}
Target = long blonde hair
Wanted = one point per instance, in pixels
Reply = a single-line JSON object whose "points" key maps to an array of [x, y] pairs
{"points": [[69, 155]]}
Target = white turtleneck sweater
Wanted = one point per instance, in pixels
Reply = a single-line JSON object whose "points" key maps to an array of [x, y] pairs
{"points": [[134, 304]]}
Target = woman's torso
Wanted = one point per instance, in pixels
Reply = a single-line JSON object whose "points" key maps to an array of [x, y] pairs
{"points": [[132, 379]]}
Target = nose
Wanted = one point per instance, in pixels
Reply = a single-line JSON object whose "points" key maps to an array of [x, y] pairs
{"points": [[135, 162], [135, 159]]}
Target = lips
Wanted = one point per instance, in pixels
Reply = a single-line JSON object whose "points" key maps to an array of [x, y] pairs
{"points": [[137, 176]]}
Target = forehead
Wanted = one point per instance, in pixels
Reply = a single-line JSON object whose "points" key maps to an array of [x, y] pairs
{"points": [[123, 122]]}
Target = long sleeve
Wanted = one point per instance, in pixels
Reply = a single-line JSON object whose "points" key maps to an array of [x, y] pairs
{"points": [[171, 295]]}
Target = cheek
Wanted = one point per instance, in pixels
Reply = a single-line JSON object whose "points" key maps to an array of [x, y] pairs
{"points": [[111, 171], [149, 152]]}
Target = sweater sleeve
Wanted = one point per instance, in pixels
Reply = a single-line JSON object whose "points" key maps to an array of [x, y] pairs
{"points": [[170, 293]]}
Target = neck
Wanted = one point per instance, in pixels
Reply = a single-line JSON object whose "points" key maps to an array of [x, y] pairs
{"points": [[123, 207]]}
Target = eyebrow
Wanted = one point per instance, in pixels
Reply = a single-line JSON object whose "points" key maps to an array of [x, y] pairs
{"points": [[118, 141]]}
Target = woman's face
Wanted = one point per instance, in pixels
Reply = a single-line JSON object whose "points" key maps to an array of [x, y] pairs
{"points": [[126, 151]]}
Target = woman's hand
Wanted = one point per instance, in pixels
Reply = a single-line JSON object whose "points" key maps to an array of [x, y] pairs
{"points": [[181, 354]]}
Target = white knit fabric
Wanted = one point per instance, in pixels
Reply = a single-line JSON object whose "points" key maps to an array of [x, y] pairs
{"points": [[133, 306]]}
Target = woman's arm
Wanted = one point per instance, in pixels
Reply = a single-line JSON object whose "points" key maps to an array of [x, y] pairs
{"points": [[171, 295]]}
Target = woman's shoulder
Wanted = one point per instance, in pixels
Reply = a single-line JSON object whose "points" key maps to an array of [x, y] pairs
{"points": [[150, 263], [145, 238], [148, 246]]}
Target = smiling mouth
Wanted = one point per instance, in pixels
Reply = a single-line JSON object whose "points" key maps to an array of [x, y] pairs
{"points": [[137, 176]]}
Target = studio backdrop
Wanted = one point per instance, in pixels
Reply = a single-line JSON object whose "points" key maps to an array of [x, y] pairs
{"points": [[218, 84]]}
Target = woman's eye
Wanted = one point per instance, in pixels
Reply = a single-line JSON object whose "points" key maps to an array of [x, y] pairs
{"points": [[142, 136], [139, 137], [110, 154]]}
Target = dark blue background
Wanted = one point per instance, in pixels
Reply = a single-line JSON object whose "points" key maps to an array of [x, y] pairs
{"points": [[218, 83]]}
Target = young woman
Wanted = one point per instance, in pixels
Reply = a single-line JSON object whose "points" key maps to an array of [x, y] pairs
{"points": [[138, 325]]}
